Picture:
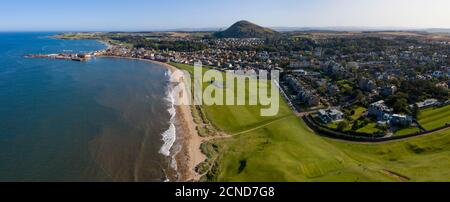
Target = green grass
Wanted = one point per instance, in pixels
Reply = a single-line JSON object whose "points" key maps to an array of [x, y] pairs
{"points": [[407, 131], [433, 118], [185, 67], [286, 151], [358, 112], [78, 36], [333, 125], [234, 119], [370, 128], [282, 148], [425, 158]]}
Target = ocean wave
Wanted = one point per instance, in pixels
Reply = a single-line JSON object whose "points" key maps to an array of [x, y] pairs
{"points": [[169, 136]]}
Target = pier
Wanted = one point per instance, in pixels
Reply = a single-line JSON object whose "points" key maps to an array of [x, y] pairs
{"points": [[62, 56]]}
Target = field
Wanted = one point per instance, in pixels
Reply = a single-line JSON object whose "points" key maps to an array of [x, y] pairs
{"points": [[288, 151], [358, 112], [332, 125], [370, 128], [425, 158], [282, 148], [78, 36], [433, 118], [407, 131], [235, 119]]}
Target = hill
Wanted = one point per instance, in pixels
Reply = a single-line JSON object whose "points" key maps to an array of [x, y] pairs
{"points": [[245, 29]]}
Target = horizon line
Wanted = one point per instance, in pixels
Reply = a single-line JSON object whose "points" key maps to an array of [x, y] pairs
{"points": [[276, 28], [211, 29]]}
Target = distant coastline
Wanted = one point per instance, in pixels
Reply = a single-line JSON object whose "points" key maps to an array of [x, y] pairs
{"points": [[190, 154], [187, 136], [128, 110]]}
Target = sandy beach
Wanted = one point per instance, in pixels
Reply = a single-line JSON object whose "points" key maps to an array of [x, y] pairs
{"points": [[190, 155]]}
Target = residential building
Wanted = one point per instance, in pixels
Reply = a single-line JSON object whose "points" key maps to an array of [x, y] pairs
{"points": [[330, 115], [400, 120], [390, 90], [427, 103], [379, 110], [367, 85]]}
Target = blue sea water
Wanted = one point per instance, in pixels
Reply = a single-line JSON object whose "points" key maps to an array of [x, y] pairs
{"points": [[99, 120]]}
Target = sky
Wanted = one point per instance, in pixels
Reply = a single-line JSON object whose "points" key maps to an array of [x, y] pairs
{"points": [[150, 15]]}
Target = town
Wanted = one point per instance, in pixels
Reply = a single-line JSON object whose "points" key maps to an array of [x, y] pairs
{"points": [[285, 92], [374, 84], [81, 57]]}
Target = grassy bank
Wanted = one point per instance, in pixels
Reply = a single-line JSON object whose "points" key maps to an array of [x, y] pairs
{"points": [[282, 148], [433, 118], [79, 36]]}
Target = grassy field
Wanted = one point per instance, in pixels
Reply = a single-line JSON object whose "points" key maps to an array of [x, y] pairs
{"points": [[288, 151], [434, 117], [407, 131], [235, 119], [78, 36], [332, 125], [358, 112], [424, 158], [282, 148], [370, 128]]}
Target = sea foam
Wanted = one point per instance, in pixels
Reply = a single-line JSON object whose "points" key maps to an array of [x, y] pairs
{"points": [[169, 136]]}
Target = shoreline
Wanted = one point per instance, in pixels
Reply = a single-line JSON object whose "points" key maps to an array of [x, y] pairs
{"points": [[190, 155]]}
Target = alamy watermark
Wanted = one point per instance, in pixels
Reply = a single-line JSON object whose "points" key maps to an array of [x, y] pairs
{"points": [[231, 88]]}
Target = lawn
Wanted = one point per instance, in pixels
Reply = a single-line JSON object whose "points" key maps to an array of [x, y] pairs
{"points": [[407, 131], [370, 128], [282, 148], [234, 119], [287, 151], [358, 112], [433, 118], [425, 158], [333, 125]]}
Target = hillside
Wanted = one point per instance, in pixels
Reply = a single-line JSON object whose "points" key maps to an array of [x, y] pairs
{"points": [[245, 29]]}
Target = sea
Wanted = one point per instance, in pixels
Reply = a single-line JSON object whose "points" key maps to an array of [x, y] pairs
{"points": [[107, 119]]}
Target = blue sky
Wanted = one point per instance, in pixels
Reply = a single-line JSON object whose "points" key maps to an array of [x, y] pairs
{"points": [[139, 15]]}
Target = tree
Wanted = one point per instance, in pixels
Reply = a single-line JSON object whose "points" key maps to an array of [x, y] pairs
{"points": [[401, 105], [383, 127], [415, 111], [399, 102], [343, 125], [360, 96], [395, 82]]}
